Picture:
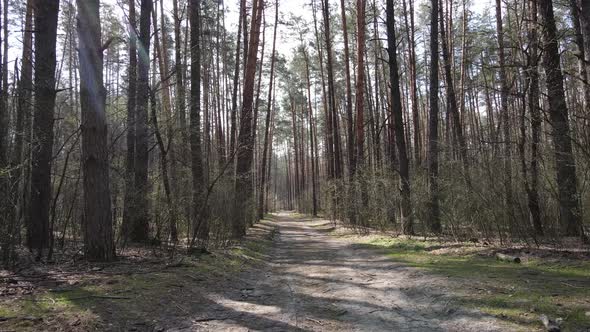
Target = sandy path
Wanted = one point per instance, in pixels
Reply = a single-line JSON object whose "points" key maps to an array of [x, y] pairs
{"points": [[315, 282]]}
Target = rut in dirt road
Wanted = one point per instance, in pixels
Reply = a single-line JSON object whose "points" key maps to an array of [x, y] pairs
{"points": [[316, 282]]}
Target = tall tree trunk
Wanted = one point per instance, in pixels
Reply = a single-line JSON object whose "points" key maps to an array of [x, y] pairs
{"points": [[579, 40], [567, 186], [183, 150], [5, 211], [129, 196], [140, 228], [396, 110], [234, 98], [5, 56], [504, 91], [98, 228], [22, 134], [297, 186], [169, 180], [434, 209], [180, 101], [245, 145], [360, 82], [263, 165], [46, 15], [410, 35], [335, 136], [311, 136], [452, 98], [533, 105], [3, 111], [349, 116], [200, 226], [584, 6], [329, 138]]}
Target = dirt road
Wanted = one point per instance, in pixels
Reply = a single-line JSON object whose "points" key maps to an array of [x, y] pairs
{"points": [[316, 282]]}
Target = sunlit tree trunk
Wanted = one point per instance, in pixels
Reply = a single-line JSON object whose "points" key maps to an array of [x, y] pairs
{"points": [[245, 144], [98, 229], [263, 175]]}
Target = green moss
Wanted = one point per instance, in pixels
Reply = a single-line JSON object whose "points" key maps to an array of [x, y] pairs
{"points": [[513, 292]]}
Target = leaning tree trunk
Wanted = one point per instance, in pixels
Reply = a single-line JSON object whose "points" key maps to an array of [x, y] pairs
{"points": [[46, 15], [97, 225], [567, 186], [267, 120]]}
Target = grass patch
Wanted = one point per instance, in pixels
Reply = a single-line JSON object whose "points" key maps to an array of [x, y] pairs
{"points": [[130, 297], [515, 292]]}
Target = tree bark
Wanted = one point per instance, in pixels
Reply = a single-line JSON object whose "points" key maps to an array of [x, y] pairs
{"points": [[452, 99], [335, 136], [569, 211], [200, 226], [19, 176], [585, 28], [98, 228], [396, 112], [349, 116], [46, 16], [4, 183], [410, 35], [434, 209], [504, 91], [129, 196], [311, 136], [234, 98], [360, 83], [536, 121], [169, 180], [263, 165], [329, 138], [579, 40], [140, 228], [245, 145]]}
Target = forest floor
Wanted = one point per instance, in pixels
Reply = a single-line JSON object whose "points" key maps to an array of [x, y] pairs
{"points": [[296, 274]]}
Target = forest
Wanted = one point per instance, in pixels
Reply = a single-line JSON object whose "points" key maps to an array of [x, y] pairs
{"points": [[423, 164]]}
